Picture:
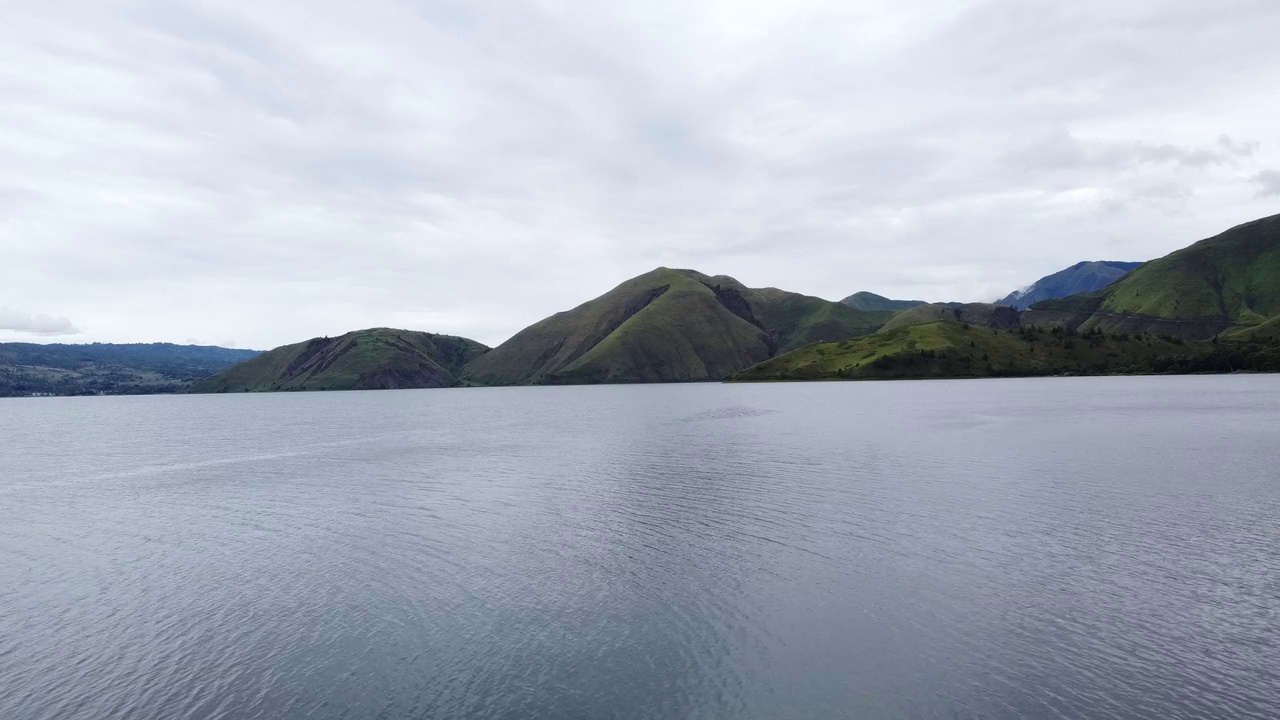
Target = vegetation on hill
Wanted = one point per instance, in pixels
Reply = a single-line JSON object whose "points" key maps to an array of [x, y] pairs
{"points": [[980, 314], [1228, 282], [1079, 278], [1267, 332], [376, 359], [668, 326], [106, 369], [951, 349], [871, 302], [1222, 294]]}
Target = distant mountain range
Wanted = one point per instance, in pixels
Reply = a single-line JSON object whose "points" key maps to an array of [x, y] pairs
{"points": [[1211, 307], [1079, 278], [1229, 282], [31, 369]]}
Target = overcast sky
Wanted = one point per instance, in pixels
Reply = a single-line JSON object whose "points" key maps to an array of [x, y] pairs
{"points": [[257, 173]]}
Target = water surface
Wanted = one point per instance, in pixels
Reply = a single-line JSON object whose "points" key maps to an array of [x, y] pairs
{"points": [[1102, 547]]}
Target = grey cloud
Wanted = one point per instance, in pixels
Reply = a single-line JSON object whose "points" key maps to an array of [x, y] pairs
{"points": [[1166, 153], [14, 320], [1244, 148], [1164, 192], [174, 168], [1268, 182], [1063, 150]]}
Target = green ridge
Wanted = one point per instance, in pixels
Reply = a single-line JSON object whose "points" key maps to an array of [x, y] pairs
{"points": [[668, 326], [950, 349], [376, 359], [981, 314], [872, 302], [1268, 331]]}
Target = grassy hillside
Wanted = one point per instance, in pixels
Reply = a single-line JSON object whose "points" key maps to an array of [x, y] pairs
{"points": [[375, 359], [871, 302], [798, 320], [1227, 282], [668, 326], [685, 333], [980, 314], [99, 368], [950, 349], [1079, 278], [1268, 331]]}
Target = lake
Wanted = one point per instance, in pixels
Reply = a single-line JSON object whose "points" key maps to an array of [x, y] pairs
{"points": [[1091, 547]]}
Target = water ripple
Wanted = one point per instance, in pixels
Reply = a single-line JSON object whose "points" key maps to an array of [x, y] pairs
{"points": [[1050, 548]]}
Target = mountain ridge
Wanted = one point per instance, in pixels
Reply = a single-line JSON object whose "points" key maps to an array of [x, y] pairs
{"points": [[667, 325], [372, 359], [947, 348], [1212, 306], [1086, 276], [871, 302], [1226, 282]]}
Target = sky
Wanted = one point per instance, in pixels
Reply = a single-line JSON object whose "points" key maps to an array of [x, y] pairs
{"points": [[257, 173]]}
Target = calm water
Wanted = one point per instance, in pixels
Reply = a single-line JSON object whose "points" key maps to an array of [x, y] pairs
{"points": [[1026, 548]]}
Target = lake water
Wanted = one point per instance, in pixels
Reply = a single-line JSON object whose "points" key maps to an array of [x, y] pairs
{"points": [[1103, 547]]}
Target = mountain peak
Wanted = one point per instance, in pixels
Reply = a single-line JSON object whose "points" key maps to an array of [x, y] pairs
{"points": [[668, 325], [1226, 282], [1083, 277], [373, 359]]}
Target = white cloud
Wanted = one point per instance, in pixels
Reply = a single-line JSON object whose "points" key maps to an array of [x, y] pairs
{"points": [[21, 322]]}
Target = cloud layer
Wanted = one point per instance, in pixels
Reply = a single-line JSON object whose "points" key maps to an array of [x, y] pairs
{"points": [[21, 322], [275, 170]]}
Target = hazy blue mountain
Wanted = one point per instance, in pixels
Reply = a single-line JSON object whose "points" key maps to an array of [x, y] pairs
{"points": [[1083, 277]]}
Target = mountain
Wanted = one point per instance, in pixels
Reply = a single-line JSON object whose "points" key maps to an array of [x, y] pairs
{"points": [[1211, 307], [1079, 278], [101, 368], [668, 326], [871, 302], [980, 314], [376, 359], [948, 348], [1227, 282]]}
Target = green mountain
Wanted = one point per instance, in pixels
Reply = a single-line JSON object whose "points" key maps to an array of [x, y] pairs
{"points": [[377, 359], [981, 340], [980, 314], [668, 326], [871, 302], [1228, 282], [948, 348], [1079, 278], [108, 369]]}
